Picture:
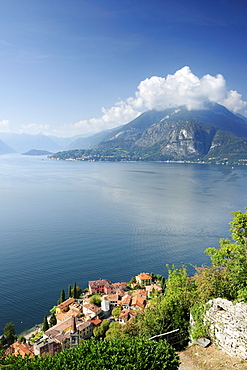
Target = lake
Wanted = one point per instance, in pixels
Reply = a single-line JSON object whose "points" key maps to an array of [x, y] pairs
{"points": [[66, 221]]}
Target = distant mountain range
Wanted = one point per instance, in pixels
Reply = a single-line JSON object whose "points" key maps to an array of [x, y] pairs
{"points": [[211, 134]]}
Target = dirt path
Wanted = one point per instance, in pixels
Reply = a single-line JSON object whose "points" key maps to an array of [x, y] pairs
{"points": [[210, 358]]}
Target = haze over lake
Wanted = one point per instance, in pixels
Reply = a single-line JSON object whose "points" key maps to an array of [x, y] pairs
{"points": [[62, 222]]}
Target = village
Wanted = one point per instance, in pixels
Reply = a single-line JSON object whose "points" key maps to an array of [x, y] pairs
{"points": [[76, 319]]}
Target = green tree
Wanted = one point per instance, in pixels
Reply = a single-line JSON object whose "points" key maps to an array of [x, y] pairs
{"points": [[99, 331], [116, 312], [171, 311], [95, 299], [53, 320], [45, 324], [9, 333], [69, 291], [115, 330], [231, 257], [76, 291]]}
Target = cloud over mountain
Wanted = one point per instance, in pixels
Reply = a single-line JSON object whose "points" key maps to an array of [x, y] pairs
{"points": [[181, 88]]}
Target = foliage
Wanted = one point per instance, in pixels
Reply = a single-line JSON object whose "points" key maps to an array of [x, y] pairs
{"points": [[232, 257], [198, 329], [170, 311], [116, 311], [95, 300], [126, 353], [21, 338], [45, 324], [53, 320], [69, 291], [53, 309], [115, 330], [99, 331], [62, 297], [9, 333], [76, 291]]}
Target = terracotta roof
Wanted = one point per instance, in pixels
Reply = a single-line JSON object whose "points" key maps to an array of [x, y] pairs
{"points": [[61, 331], [66, 303], [144, 276], [20, 348], [96, 321], [92, 307], [95, 283]]}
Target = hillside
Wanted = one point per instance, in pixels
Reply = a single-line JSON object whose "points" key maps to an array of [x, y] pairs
{"points": [[213, 135]]}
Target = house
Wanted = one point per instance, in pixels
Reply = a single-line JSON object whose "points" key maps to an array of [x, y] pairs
{"points": [[64, 306], [91, 310], [152, 287], [113, 299], [138, 302], [126, 301], [122, 286], [74, 310], [20, 348], [144, 279], [100, 286], [63, 331], [47, 346], [126, 314]]}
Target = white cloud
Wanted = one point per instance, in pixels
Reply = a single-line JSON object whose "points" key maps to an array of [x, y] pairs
{"points": [[234, 101], [181, 88], [122, 112], [34, 128], [4, 125]]}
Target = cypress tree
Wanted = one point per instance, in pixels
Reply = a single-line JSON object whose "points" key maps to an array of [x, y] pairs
{"points": [[74, 291], [62, 296], [45, 324], [69, 291], [53, 320]]}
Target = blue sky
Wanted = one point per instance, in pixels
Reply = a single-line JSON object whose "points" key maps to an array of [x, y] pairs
{"points": [[78, 66]]}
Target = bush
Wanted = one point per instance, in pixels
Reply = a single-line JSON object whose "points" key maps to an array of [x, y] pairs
{"points": [[126, 353]]}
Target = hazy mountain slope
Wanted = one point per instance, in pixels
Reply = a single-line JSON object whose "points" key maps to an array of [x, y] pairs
{"points": [[5, 149], [92, 141], [25, 142]]}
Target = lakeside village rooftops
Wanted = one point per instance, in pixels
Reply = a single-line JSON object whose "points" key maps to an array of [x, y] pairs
{"points": [[105, 286]]}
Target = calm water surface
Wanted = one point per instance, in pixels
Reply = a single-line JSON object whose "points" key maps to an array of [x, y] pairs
{"points": [[62, 222]]}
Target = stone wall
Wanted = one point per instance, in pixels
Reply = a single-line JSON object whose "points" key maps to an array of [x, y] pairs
{"points": [[227, 325]]}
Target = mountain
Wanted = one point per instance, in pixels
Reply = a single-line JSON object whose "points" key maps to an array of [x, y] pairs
{"points": [[211, 134], [25, 142], [92, 141], [213, 114], [5, 149]]}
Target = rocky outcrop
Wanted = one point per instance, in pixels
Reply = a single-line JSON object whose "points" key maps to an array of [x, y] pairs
{"points": [[227, 326]]}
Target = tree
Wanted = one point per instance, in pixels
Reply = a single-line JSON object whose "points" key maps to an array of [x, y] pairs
{"points": [[69, 291], [62, 297], [76, 291], [95, 299], [99, 331], [45, 324], [231, 257], [9, 332], [116, 311], [114, 330], [53, 320]]}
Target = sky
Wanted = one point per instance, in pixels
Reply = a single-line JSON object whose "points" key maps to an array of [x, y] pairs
{"points": [[70, 67]]}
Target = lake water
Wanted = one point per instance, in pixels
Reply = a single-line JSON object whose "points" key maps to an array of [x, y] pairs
{"points": [[62, 222]]}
